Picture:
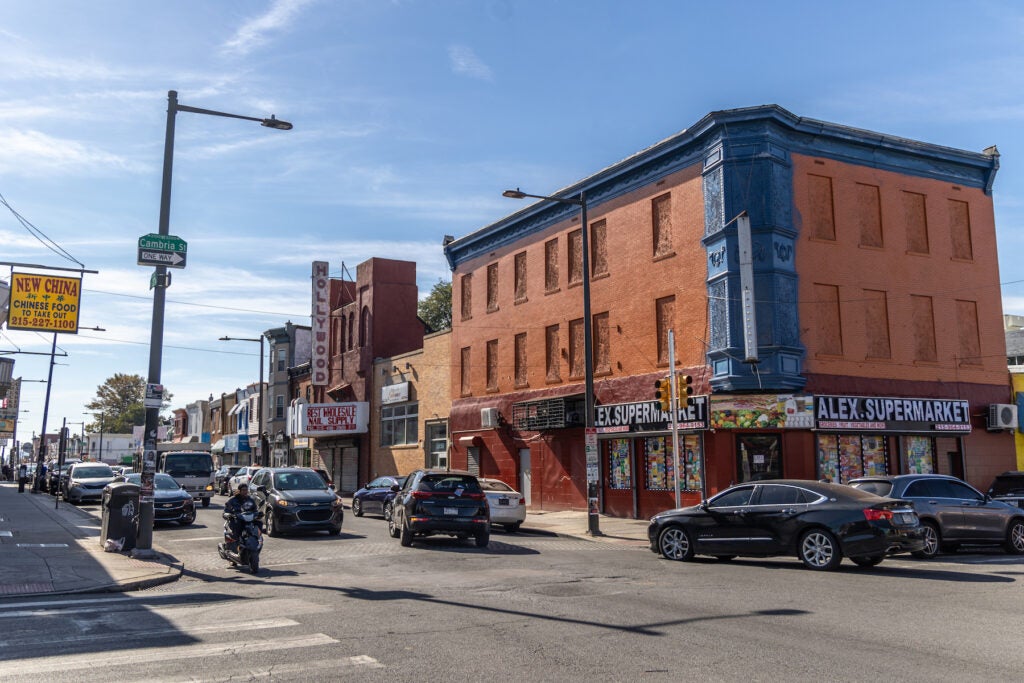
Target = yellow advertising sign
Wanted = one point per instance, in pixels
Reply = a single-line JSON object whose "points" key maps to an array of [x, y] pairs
{"points": [[44, 303]]}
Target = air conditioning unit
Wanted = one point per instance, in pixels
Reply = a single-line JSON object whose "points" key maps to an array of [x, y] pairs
{"points": [[489, 418], [1002, 416]]}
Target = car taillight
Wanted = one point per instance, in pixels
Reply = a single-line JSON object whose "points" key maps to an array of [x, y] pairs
{"points": [[522, 501], [476, 496], [422, 494], [873, 515]]}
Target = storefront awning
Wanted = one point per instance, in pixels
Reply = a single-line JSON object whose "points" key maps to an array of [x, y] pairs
{"points": [[234, 409], [217, 447]]}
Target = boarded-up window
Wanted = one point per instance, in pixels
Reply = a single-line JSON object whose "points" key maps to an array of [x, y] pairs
{"points": [[869, 215], [665, 314], [916, 218], [552, 355], [575, 257], [492, 287], [464, 372], [876, 324], [467, 296], [602, 344], [923, 328], [520, 277], [522, 375], [661, 224], [821, 219], [967, 327], [551, 265], [576, 356], [599, 248], [827, 319], [960, 229], [492, 364]]}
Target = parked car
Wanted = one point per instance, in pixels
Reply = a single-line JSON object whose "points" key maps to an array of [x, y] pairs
{"points": [[296, 499], [952, 512], [85, 481], [222, 476], [440, 502], [171, 502], [326, 477], [508, 506], [243, 475], [819, 523], [1009, 488], [57, 476], [376, 496]]}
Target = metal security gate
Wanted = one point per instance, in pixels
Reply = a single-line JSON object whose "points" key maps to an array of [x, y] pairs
{"points": [[349, 480]]}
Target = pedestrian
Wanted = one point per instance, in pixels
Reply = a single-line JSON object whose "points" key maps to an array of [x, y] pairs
{"points": [[7, 472]]}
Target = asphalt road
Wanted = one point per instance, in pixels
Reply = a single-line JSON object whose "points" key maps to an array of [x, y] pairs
{"points": [[529, 607]]}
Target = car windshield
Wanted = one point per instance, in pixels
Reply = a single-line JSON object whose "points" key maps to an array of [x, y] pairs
{"points": [[495, 486], [162, 482], [1009, 484], [298, 481], [450, 482], [879, 488], [188, 464], [92, 472]]}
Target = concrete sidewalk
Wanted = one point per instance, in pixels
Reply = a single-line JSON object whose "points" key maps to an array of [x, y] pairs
{"points": [[574, 523], [48, 551]]}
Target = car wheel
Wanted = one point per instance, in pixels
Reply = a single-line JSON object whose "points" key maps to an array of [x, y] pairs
{"points": [[675, 544], [206, 502], [932, 542], [406, 535], [482, 539], [512, 528], [392, 528], [1015, 537], [819, 550], [388, 511], [357, 507], [272, 530], [191, 519], [872, 561]]}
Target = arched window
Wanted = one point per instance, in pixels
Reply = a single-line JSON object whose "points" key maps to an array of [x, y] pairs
{"points": [[341, 334], [351, 327], [364, 325]]}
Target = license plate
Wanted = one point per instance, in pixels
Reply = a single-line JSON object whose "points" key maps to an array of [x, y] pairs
{"points": [[908, 518], [503, 501], [451, 511]]}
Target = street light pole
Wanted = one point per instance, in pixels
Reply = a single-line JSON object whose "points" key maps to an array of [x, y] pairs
{"points": [[593, 471], [259, 436], [144, 541]]}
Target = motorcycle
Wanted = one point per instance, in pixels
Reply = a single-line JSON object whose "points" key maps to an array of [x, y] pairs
{"points": [[245, 550]]}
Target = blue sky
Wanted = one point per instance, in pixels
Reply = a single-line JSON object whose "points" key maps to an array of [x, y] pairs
{"points": [[411, 117]]}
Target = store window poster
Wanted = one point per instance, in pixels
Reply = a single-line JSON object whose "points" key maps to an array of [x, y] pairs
{"points": [[918, 456], [691, 449], [850, 465], [828, 457], [659, 463], [873, 448], [618, 464]]}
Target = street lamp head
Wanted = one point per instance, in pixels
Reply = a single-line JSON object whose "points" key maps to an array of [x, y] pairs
{"points": [[276, 123], [514, 194], [225, 339]]}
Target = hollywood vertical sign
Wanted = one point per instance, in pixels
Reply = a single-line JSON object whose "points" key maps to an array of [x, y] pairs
{"points": [[321, 324]]}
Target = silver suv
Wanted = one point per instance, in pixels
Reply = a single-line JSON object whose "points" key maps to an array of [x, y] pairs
{"points": [[952, 512]]}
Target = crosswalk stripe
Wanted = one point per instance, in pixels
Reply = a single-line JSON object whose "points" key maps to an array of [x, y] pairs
{"points": [[248, 625], [153, 655]]}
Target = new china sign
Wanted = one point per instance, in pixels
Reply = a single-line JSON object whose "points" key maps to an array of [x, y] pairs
{"points": [[332, 419], [871, 413]]}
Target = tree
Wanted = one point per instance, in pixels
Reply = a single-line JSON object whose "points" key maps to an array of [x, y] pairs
{"points": [[436, 309], [120, 399]]}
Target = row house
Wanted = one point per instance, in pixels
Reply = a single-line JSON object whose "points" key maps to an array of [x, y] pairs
{"points": [[833, 294]]}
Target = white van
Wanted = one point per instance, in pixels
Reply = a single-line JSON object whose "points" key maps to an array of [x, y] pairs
{"points": [[193, 470]]}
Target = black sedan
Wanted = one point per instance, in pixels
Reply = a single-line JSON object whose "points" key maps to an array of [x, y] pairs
{"points": [[376, 497], [819, 523], [171, 503], [296, 499]]}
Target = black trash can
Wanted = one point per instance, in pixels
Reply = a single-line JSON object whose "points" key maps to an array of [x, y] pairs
{"points": [[22, 477], [120, 514]]}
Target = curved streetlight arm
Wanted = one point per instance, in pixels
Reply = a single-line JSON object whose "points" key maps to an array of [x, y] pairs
{"points": [[519, 194], [272, 122]]}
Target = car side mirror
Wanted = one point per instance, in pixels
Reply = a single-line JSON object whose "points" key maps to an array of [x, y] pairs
{"points": [[395, 488], [330, 486], [262, 489]]}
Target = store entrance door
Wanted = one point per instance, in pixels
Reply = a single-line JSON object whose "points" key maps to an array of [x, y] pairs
{"points": [[760, 457]]}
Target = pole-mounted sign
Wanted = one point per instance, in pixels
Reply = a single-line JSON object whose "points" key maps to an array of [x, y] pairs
{"points": [[44, 303], [162, 250]]}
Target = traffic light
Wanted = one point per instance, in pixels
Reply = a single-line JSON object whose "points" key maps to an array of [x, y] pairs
{"points": [[663, 393], [684, 390]]}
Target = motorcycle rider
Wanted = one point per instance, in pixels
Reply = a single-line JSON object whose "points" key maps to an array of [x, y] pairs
{"points": [[238, 503]]}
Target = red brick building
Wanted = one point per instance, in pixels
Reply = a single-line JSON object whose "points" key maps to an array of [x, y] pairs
{"points": [[865, 335]]}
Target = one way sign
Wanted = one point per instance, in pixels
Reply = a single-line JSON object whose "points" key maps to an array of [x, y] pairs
{"points": [[171, 259]]}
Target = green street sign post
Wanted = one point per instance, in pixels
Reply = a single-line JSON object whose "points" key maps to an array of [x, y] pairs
{"points": [[162, 250]]}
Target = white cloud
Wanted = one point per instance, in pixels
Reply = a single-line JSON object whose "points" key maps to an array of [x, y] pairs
{"points": [[465, 62], [31, 152], [253, 33]]}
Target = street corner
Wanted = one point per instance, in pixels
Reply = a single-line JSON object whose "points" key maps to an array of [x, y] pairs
{"points": [[128, 572]]}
